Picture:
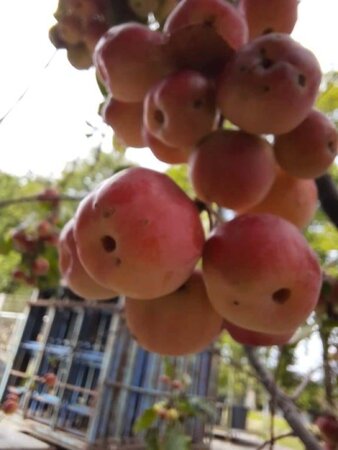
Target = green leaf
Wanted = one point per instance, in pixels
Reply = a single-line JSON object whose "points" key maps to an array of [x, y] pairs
{"points": [[145, 420], [174, 438], [152, 439], [169, 368]]}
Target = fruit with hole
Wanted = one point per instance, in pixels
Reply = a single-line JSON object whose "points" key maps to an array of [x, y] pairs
{"points": [[270, 86], [261, 274], [139, 234], [220, 15], [180, 109], [73, 272], [267, 16]]}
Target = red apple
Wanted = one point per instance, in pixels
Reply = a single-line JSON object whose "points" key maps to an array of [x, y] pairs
{"points": [[73, 272], [180, 109], [180, 323], [249, 337], [308, 150], [139, 234], [232, 168], [218, 14], [261, 274], [266, 16], [126, 119], [164, 152], [40, 266], [328, 426], [130, 59], [270, 86]]}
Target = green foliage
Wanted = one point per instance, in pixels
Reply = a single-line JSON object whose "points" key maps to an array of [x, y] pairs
{"points": [[163, 424]]}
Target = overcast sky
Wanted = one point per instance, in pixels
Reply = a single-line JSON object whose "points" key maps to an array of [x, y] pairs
{"points": [[47, 128]]}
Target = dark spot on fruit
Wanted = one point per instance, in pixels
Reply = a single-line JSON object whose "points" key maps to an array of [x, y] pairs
{"points": [[268, 30], [197, 103], [95, 205], [145, 222], [159, 116], [301, 80], [108, 212], [209, 22], [266, 88], [118, 262], [108, 243], [281, 295], [235, 302], [266, 63], [332, 148]]}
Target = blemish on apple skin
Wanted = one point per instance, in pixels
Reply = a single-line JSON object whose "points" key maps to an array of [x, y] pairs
{"points": [[108, 213], [281, 295], [118, 262], [235, 302]]}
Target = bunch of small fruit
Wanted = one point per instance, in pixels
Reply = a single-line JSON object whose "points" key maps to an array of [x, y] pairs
{"points": [[32, 238], [224, 88], [81, 23]]}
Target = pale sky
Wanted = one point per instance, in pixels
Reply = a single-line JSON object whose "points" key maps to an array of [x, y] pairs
{"points": [[48, 128]]}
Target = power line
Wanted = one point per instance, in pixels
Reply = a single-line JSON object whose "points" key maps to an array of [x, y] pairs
{"points": [[23, 94]]}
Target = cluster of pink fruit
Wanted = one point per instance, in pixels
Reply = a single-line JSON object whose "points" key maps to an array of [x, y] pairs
{"points": [[32, 239], [140, 236]]}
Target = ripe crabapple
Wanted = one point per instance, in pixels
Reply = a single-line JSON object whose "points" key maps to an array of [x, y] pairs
{"points": [[180, 323], [49, 379], [266, 16], [73, 272], [261, 274], [232, 168], [139, 234], [164, 152], [218, 14], [199, 47], [308, 150], [130, 59], [249, 337], [79, 56], [126, 119], [270, 86], [10, 406], [180, 109], [40, 266], [328, 426], [294, 199]]}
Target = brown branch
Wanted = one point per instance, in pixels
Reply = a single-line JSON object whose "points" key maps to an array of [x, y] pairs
{"points": [[275, 439], [284, 402], [36, 198], [328, 196]]}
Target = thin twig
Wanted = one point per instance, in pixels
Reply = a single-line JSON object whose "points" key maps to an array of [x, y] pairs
{"points": [[275, 438]]}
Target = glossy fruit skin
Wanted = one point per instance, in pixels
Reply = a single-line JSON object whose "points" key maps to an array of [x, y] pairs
{"points": [[130, 59], [261, 274], [294, 199], [222, 16], [232, 168], [180, 109], [177, 324], [308, 150], [126, 119], [266, 16], [139, 234], [275, 77], [73, 272], [249, 337]]}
